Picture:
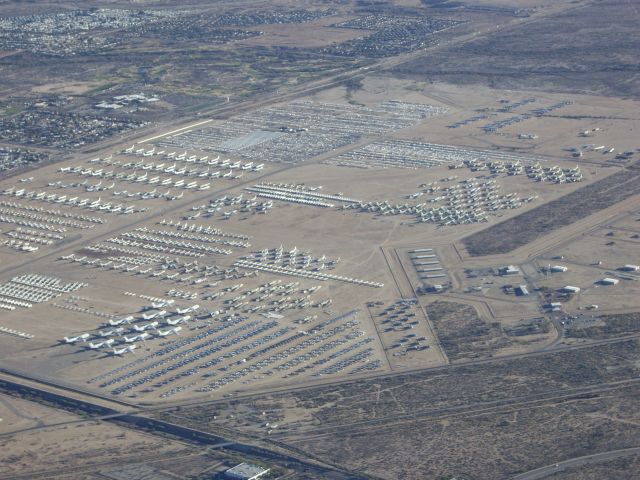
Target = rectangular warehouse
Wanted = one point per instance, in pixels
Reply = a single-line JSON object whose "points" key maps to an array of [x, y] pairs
{"points": [[245, 471]]}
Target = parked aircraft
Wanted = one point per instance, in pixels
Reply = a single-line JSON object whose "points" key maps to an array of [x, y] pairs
{"points": [[179, 320], [164, 333], [193, 308], [163, 303], [142, 328], [106, 343], [110, 333], [142, 336], [82, 338], [115, 323], [127, 349], [152, 315]]}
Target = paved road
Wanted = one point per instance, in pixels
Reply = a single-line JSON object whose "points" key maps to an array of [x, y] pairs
{"points": [[544, 472]]}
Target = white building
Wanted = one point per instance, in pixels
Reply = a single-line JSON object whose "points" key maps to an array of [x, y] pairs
{"points": [[245, 471], [609, 281], [570, 289], [555, 306], [558, 269], [509, 270]]}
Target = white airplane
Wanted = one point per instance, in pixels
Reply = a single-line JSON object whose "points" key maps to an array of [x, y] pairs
{"points": [[164, 333], [82, 338], [179, 320], [110, 333], [115, 323], [106, 343], [142, 328], [127, 349], [163, 303], [193, 308], [152, 315], [142, 336]]}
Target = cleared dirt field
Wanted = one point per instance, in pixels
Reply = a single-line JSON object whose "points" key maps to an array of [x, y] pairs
{"points": [[516, 232], [462, 333]]}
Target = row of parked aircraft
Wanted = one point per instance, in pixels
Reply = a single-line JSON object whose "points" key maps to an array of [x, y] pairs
{"points": [[185, 157], [127, 340], [142, 330]]}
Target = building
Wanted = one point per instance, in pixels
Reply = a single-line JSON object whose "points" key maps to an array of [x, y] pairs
{"points": [[124, 100], [609, 281], [107, 106], [509, 270], [431, 288], [570, 289], [554, 306], [522, 290], [245, 471], [558, 269], [527, 136]]}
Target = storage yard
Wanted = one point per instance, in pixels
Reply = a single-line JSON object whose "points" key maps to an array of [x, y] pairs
{"points": [[286, 239], [232, 270], [301, 130]]}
